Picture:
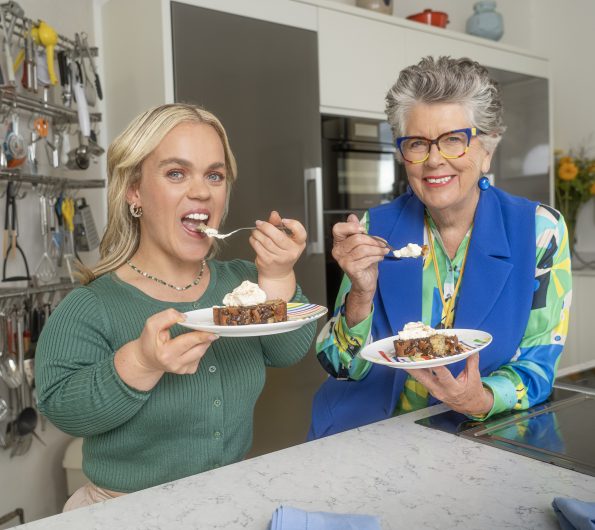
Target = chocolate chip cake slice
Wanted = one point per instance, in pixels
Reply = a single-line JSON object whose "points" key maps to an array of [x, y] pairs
{"points": [[265, 313], [421, 342]]}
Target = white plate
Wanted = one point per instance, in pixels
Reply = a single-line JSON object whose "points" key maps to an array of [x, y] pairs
{"points": [[297, 316], [383, 351]]}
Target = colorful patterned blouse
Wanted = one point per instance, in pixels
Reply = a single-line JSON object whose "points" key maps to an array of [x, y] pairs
{"points": [[519, 384]]}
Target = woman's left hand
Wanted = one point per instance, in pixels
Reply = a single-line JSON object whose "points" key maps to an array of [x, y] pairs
{"points": [[277, 253], [465, 393]]}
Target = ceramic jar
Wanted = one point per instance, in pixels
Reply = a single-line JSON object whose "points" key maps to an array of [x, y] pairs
{"points": [[382, 6], [486, 22]]}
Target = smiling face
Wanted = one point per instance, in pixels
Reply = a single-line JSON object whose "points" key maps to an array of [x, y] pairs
{"points": [[445, 185], [182, 184]]}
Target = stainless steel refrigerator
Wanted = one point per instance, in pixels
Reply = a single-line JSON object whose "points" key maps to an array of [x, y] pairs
{"points": [[261, 80]]}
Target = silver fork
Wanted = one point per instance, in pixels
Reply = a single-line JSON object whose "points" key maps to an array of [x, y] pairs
{"points": [[383, 241], [212, 232]]}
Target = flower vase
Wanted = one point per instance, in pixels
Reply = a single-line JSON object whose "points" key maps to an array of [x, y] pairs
{"points": [[571, 219], [570, 213]]}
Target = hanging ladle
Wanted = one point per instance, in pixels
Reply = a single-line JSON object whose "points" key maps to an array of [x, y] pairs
{"points": [[9, 369], [26, 422]]}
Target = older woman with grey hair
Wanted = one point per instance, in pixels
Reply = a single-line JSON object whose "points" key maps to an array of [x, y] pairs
{"points": [[496, 263]]}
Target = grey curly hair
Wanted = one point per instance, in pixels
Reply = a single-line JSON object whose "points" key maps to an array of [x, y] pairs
{"points": [[448, 80]]}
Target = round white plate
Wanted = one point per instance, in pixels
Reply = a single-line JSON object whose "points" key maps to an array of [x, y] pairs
{"points": [[383, 351], [297, 316]]}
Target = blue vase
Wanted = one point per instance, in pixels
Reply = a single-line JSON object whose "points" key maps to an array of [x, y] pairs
{"points": [[486, 22]]}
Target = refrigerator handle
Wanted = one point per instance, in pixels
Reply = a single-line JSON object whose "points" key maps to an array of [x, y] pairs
{"points": [[313, 188]]}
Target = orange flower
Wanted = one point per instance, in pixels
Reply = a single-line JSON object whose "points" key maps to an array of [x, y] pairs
{"points": [[566, 160], [567, 171], [592, 189]]}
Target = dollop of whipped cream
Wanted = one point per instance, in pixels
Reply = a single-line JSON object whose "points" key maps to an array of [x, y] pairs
{"points": [[415, 330], [412, 250], [247, 293], [211, 232]]}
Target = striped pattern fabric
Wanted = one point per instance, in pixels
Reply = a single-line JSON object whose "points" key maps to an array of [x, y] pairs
{"points": [[187, 423], [304, 311], [525, 380]]}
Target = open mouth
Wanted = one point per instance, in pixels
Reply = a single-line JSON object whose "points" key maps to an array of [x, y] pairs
{"points": [[195, 221]]}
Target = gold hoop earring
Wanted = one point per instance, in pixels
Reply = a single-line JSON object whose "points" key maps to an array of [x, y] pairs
{"points": [[135, 211]]}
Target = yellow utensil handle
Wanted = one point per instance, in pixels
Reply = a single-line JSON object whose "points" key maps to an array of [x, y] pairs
{"points": [[20, 58], [68, 214], [49, 53]]}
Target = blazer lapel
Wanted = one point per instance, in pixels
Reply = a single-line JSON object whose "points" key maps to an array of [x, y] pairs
{"points": [[487, 268], [400, 281]]}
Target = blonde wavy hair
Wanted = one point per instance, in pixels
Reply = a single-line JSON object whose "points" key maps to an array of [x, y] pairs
{"points": [[125, 157]]}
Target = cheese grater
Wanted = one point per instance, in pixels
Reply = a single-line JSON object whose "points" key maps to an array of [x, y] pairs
{"points": [[85, 233]]}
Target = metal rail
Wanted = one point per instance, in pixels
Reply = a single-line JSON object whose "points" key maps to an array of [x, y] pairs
{"points": [[60, 183], [30, 291], [10, 97]]}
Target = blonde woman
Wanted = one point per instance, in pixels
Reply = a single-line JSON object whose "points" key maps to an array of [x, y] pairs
{"points": [[154, 401]]}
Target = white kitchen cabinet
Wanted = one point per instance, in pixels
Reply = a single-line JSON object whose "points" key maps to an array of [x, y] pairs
{"points": [[579, 351], [359, 60], [362, 52], [423, 41]]}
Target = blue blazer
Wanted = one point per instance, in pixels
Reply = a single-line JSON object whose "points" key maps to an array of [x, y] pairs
{"points": [[496, 296]]}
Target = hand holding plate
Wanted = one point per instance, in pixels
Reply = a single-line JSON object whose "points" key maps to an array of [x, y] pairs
{"points": [[465, 393]]}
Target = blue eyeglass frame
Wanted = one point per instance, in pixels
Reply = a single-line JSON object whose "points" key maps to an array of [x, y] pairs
{"points": [[469, 131]]}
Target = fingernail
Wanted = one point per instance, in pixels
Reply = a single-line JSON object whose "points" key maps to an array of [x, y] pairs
{"points": [[258, 223], [213, 337]]}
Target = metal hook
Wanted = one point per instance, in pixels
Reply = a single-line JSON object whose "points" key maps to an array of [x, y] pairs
{"points": [[41, 188], [18, 186]]}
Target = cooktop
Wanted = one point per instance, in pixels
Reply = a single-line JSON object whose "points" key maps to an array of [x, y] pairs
{"points": [[583, 381], [560, 431]]}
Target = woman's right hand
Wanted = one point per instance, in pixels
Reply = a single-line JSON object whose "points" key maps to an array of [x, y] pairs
{"points": [[358, 255], [142, 362]]}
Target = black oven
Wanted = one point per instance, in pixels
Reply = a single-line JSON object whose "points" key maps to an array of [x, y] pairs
{"points": [[358, 172]]}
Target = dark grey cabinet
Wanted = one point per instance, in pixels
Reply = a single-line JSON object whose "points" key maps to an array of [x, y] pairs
{"points": [[261, 80]]}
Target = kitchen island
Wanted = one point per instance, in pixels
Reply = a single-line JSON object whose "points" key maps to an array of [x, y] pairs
{"points": [[408, 475]]}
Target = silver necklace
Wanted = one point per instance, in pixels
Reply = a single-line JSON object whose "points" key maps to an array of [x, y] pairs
{"points": [[177, 288]]}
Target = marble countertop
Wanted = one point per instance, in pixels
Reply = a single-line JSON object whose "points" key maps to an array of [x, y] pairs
{"points": [[409, 475]]}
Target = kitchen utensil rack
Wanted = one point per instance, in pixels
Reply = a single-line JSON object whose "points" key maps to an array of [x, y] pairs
{"points": [[18, 293], [10, 98], [20, 23], [58, 183]]}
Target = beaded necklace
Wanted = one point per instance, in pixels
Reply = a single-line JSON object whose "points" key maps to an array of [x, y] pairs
{"points": [[162, 282]]}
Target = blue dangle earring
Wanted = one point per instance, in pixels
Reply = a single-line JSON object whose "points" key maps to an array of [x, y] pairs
{"points": [[483, 183]]}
